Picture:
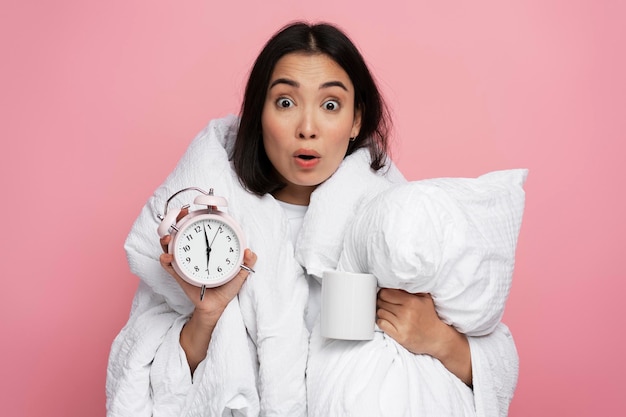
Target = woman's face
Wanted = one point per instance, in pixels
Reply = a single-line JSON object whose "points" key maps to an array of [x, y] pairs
{"points": [[308, 119]]}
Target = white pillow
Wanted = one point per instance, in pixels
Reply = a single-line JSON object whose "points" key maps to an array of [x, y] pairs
{"points": [[454, 238]]}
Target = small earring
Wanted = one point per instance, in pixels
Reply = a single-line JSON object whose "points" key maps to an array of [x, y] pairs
{"points": [[352, 139]]}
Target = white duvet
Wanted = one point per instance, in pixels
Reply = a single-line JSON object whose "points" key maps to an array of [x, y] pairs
{"points": [[256, 363]]}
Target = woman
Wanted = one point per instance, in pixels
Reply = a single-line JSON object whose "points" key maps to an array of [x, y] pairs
{"points": [[310, 144]]}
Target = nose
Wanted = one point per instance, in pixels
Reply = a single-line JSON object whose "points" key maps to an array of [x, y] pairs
{"points": [[307, 128]]}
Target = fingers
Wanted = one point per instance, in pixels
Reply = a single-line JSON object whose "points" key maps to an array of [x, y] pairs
{"points": [[396, 296], [387, 307], [183, 212], [385, 320], [165, 241], [394, 306], [249, 259], [393, 295], [390, 301], [390, 295], [387, 327], [166, 260]]}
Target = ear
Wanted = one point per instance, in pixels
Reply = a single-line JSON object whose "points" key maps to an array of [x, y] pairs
{"points": [[356, 124]]}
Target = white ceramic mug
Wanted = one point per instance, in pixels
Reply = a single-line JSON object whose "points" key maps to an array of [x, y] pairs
{"points": [[348, 309]]}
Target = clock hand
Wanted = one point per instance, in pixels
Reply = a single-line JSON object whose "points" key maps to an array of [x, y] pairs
{"points": [[210, 245], [208, 250], [218, 230]]}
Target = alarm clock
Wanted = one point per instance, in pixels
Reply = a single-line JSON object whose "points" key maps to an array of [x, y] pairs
{"points": [[207, 244]]}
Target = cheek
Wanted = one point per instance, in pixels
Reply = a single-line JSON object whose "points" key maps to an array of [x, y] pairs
{"points": [[340, 147], [340, 128], [340, 134]]}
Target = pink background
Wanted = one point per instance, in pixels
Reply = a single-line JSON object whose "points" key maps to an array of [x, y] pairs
{"points": [[99, 99]]}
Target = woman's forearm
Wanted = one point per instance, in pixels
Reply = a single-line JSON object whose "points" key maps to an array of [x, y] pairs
{"points": [[196, 336], [453, 351]]}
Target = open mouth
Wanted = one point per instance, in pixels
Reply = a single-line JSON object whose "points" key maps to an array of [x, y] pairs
{"points": [[306, 158]]}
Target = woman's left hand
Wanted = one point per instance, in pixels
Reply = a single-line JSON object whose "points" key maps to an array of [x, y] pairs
{"points": [[411, 320]]}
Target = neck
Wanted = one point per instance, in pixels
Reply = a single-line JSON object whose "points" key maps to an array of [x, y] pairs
{"points": [[300, 196]]}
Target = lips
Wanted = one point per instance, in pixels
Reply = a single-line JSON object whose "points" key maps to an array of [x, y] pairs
{"points": [[306, 154], [306, 158]]}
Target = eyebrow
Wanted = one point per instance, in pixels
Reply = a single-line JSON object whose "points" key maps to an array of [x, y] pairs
{"points": [[296, 84]]}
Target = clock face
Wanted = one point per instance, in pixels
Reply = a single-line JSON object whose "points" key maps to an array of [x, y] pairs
{"points": [[207, 251]]}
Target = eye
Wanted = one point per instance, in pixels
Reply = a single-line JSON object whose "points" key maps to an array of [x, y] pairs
{"points": [[284, 103], [331, 105]]}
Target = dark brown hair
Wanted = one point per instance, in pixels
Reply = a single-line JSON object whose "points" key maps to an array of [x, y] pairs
{"points": [[251, 163]]}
